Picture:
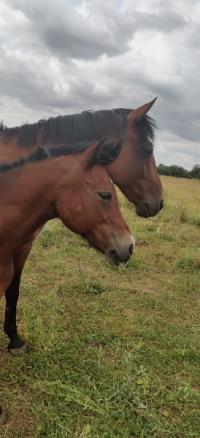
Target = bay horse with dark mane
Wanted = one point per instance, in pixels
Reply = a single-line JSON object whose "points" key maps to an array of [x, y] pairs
{"points": [[125, 150], [71, 186], [127, 135]]}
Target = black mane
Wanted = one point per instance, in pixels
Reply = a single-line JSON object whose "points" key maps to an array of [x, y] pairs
{"points": [[87, 126], [41, 153], [108, 154], [78, 131]]}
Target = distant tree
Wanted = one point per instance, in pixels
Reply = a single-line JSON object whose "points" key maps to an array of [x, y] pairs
{"points": [[195, 172], [163, 169], [173, 171], [179, 171]]}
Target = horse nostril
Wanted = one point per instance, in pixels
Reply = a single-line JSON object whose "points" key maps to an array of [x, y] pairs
{"points": [[131, 249], [161, 204]]}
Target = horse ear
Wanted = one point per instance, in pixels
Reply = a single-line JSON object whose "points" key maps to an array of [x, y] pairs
{"points": [[87, 155], [106, 151], [140, 112]]}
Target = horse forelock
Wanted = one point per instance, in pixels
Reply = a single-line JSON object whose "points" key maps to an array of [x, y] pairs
{"points": [[146, 131]]}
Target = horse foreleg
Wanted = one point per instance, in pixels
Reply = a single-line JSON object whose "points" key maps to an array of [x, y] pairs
{"points": [[16, 344], [6, 274]]}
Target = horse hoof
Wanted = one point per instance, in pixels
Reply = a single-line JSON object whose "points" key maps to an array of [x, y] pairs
{"points": [[2, 417], [20, 351]]}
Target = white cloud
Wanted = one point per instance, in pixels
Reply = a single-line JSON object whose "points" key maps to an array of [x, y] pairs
{"points": [[63, 57]]}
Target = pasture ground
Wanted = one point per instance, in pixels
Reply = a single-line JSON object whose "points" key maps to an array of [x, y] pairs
{"points": [[115, 352]]}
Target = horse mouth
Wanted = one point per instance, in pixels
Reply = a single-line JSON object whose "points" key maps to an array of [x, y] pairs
{"points": [[143, 210], [114, 259], [112, 255]]}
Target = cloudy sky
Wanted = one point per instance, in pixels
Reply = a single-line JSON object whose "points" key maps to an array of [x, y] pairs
{"points": [[65, 56]]}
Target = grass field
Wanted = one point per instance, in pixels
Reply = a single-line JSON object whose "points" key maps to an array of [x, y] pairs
{"points": [[115, 352]]}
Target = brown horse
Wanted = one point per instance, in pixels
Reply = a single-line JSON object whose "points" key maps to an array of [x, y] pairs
{"points": [[70, 187], [74, 188], [128, 136]]}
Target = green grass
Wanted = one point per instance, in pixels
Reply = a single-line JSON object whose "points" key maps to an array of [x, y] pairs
{"points": [[115, 352]]}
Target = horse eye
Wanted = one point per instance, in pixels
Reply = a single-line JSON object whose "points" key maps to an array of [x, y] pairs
{"points": [[106, 196]]}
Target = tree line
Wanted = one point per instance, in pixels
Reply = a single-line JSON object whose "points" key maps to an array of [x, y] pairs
{"points": [[179, 171]]}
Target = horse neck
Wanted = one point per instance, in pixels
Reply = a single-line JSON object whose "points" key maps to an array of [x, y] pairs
{"points": [[29, 197], [11, 150]]}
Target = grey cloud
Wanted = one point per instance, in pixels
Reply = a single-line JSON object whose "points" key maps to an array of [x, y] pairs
{"points": [[107, 30], [163, 20], [61, 28], [34, 85], [55, 60], [172, 150]]}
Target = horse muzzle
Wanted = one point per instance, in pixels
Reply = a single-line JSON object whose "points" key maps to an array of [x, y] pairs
{"points": [[121, 252], [147, 209]]}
